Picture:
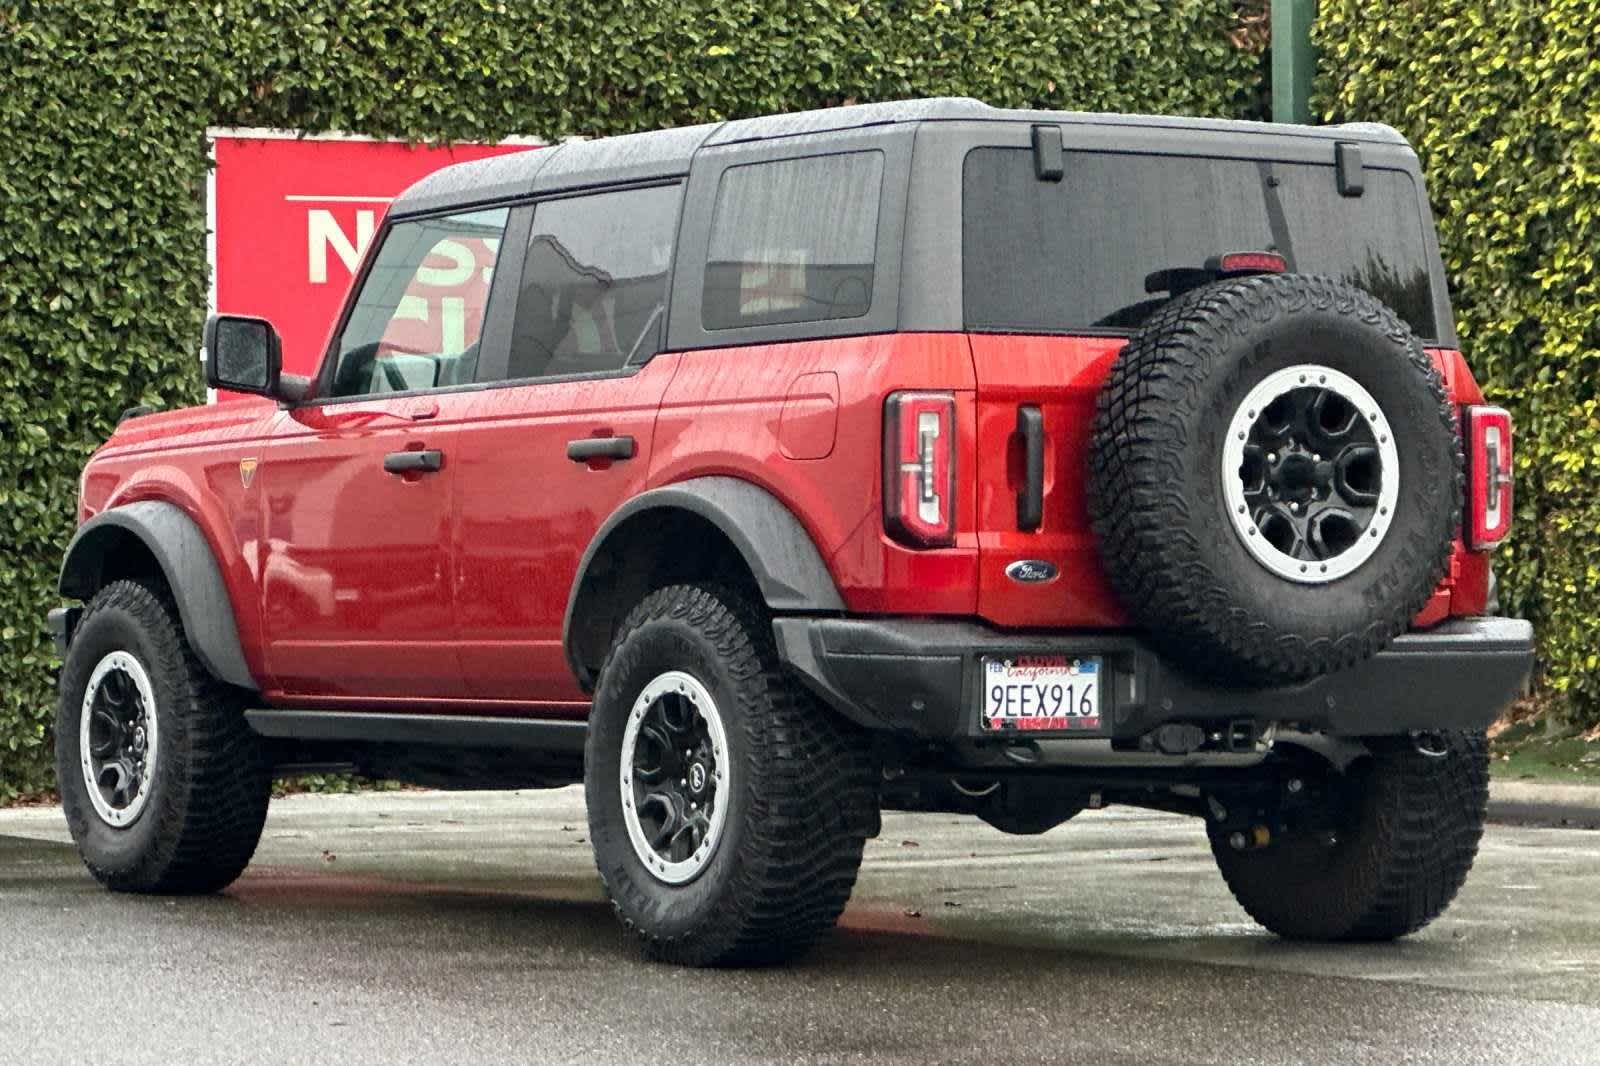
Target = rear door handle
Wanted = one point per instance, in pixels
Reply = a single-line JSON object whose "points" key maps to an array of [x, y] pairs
{"points": [[1030, 500], [413, 462], [588, 449]]}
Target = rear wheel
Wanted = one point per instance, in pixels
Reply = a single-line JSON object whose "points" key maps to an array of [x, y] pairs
{"points": [[727, 808], [1389, 857], [164, 786]]}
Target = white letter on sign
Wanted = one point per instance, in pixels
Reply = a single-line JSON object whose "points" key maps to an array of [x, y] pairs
{"points": [[451, 276], [323, 232]]}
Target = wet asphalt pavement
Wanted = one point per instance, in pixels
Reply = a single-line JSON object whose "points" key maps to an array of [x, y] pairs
{"points": [[421, 927]]}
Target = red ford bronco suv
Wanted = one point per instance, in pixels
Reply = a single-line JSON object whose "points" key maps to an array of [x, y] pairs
{"points": [[766, 474]]}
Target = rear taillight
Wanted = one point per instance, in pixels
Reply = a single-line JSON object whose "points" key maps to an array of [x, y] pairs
{"points": [[1488, 432], [919, 468]]}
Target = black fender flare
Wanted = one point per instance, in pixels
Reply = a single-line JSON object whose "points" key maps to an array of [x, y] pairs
{"points": [[181, 550], [781, 555]]}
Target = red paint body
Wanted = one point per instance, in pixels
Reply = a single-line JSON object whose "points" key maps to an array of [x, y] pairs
{"points": [[353, 587]]}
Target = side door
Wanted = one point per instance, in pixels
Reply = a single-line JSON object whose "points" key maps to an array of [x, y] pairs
{"points": [[566, 437], [359, 575]]}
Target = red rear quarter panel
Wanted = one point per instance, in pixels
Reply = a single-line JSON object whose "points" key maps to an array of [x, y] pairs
{"points": [[724, 414], [1465, 590]]}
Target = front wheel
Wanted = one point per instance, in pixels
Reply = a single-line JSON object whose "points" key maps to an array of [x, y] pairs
{"points": [[728, 809], [1394, 848], [164, 786]]}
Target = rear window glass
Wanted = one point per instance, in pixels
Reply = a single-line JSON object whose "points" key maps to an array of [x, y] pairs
{"points": [[1075, 254], [793, 241]]}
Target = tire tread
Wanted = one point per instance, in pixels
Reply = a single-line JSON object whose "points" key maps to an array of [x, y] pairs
{"points": [[1141, 499], [1412, 856], [810, 776], [212, 804]]}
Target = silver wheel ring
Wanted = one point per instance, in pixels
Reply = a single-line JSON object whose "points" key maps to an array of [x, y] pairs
{"points": [[1268, 389], [676, 873], [119, 817]]}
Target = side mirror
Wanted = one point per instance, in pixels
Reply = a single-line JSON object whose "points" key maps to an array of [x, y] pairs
{"points": [[243, 354]]}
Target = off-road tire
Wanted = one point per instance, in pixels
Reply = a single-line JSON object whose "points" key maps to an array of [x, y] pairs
{"points": [[211, 783], [802, 804], [1409, 834], [1156, 497]]}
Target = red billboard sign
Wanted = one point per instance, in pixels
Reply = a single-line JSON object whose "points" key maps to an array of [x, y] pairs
{"points": [[290, 216]]}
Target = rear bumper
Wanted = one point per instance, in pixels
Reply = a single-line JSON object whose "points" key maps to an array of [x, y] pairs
{"points": [[922, 677]]}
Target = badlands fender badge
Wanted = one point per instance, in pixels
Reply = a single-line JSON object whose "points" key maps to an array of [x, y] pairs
{"points": [[247, 471], [1032, 572]]}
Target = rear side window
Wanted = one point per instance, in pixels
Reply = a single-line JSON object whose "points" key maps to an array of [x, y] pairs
{"points": [[793, 241], [1055, 257], [594, 284]]}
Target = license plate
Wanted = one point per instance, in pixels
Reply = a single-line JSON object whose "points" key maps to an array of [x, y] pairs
{"points": [[1041, 692]]}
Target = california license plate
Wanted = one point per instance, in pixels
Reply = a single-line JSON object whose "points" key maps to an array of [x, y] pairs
{"points": [[1041, 692]]}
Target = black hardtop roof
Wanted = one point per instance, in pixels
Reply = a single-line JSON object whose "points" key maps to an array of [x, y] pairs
{"points": [[667, 153]]}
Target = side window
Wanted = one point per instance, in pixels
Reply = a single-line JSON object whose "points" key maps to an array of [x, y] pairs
{"points": [[594, 286], [417, 318], [793, 241]]}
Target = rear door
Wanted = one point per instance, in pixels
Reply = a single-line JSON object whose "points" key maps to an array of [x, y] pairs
{"points": [[565, 437], [358, 570], [1061, 266]]}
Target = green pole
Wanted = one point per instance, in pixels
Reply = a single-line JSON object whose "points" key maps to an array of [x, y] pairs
{"points": [[1292, 62]]}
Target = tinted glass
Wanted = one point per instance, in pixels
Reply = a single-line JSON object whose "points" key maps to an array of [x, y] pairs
{"points": [[1075, 254], [594, 287], [793, 241], [416, 322]]}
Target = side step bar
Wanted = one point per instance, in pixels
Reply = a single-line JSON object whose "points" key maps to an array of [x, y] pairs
{"points": [[449, 730]]}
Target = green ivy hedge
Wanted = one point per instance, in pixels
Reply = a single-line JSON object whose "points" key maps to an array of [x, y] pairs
{"points": [[1500, 101], [103, 104]]}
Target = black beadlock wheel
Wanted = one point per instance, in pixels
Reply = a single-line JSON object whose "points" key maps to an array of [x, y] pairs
{"points": [[164, 786], [1274, 478], [727, 808], [1399, 845]]}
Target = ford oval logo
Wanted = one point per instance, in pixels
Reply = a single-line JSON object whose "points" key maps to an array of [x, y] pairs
{"points": [[1032, 571]]}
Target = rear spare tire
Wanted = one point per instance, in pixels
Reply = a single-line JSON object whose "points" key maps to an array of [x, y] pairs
{"points": [[1274, 478]]}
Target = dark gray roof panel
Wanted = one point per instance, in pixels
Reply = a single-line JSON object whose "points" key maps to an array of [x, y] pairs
{"points": [[665, 153], [853, 116], [630, 157], [1355, 131], [498, 177], [960, 108]]}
